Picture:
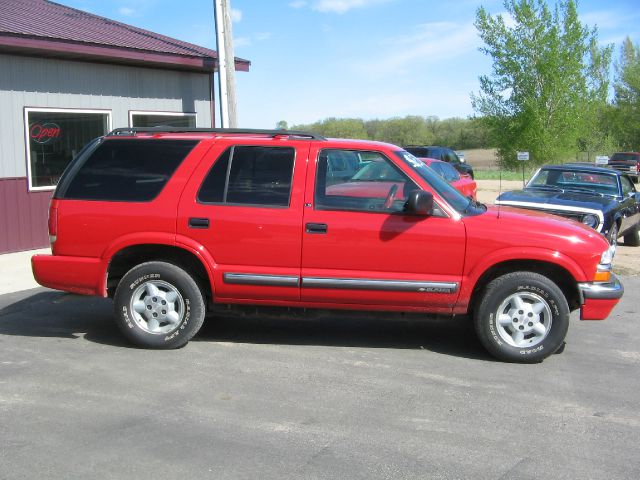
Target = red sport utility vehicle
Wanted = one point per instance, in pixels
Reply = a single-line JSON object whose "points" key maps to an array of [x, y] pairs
{"points": [[172, 222]]}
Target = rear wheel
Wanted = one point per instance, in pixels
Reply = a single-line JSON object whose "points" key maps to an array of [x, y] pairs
{"points": [[159, 305], [522, 317], [633, 237]]}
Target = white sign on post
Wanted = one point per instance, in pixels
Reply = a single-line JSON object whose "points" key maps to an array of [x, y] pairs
{"points": [[602, 160], [523, 156]]}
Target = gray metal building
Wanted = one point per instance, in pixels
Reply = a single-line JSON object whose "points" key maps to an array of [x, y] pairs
{"points": [[67, 76]]}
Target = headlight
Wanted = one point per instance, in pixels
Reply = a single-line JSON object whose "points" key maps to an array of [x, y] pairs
{"points": [[603, 274], [607, 256], [590, 220]]}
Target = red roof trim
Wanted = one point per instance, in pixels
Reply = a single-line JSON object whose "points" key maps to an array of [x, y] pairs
{"points": [[112, 54]]}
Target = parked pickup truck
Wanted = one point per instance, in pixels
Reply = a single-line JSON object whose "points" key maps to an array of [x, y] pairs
{"points": [[171, 223]]}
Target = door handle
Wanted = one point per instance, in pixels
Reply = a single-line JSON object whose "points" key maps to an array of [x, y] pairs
{"points": [[195, 222], [316, 228]]}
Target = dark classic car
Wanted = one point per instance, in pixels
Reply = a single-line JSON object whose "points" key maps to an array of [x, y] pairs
{"points": [[601, 198]]}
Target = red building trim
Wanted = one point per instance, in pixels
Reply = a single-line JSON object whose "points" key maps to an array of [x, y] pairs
{"points": [[23, 216], [110, 54]]}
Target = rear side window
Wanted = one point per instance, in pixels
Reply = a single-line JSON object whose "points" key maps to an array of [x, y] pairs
{"points": [[126, 170], [250, 175]]}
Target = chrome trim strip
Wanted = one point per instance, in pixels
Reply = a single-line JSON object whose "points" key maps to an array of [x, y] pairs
{"points": [[385, 285], [547, 206], [602, 291], [261, 280]]}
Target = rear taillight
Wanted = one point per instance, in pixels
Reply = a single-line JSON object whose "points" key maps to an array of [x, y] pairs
{"points": [[53, 223]]}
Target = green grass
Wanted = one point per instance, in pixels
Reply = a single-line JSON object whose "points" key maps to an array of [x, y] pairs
{"points": [[506, 174]]}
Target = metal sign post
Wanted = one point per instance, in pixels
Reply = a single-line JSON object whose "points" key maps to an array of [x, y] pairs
{"points": [[523, 157]]}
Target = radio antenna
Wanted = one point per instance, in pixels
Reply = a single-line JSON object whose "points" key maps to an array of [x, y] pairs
{"points": [[499, 187]]}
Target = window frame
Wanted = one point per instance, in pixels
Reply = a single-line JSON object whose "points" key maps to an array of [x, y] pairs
{"points": [[162, 114], [319, 207], [28, 110], [231, 150]]}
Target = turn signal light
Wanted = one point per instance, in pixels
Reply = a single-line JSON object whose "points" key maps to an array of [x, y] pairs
{"points": [[602, 276]]}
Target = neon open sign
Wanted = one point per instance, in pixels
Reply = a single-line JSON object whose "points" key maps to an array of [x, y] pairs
{"points": [[43, 133]]}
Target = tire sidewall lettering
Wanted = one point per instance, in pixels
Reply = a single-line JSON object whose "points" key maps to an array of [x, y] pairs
{"points": [[144, 278]]}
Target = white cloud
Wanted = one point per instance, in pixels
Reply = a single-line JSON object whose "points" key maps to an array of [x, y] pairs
{"points": [[431, 43], [236, 15], [262, 36], [126, 11], [298, 4], [342, 6], [242, 42]]}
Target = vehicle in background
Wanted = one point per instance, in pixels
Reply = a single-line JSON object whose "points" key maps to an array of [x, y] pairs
{"points": [[461, 156], [626, 162], [599, 197], [440, 153], [460, 181]]}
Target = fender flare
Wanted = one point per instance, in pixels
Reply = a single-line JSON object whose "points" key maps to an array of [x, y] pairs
{"points": [[156, 238]]}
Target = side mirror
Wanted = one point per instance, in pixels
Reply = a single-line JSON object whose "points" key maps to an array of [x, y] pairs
{"points": [[419, 203]]}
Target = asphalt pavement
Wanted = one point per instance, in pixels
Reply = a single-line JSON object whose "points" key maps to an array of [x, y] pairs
{"points": [[334, 397]]}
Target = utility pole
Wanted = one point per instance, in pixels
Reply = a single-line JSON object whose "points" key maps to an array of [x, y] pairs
{"points": [[226, 64]]}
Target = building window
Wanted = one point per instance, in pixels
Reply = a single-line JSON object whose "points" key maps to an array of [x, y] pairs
{"points": [[55, 136], [162, 119]]}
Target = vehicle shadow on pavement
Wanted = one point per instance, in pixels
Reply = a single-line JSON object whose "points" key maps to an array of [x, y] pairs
{"points": [[47, 313], [450, 336]]}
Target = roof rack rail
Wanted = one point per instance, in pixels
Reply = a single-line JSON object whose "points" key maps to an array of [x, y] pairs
{"points": [[132, 131]]}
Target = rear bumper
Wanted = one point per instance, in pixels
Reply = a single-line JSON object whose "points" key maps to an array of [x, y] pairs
{"points": [[82, 275], [598, 299]]}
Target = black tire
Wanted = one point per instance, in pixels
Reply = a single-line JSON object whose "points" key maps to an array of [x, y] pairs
{"points": [[632, 238], [519, 334], [612, 236], [165, 295]]}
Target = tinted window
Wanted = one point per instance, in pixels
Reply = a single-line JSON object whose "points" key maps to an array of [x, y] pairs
{"points": [[627, 186], [377, 186], [250, 175], [126, 170], [446, 171], [625, 156]]}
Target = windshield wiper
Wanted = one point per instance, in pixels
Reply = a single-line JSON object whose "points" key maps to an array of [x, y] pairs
{"points": [[552, 188], [585, 190]]}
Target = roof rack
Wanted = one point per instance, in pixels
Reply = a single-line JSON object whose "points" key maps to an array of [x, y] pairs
{"points": [[132, 131]]}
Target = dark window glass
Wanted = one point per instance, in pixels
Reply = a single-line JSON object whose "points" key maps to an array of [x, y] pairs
{"points": [[250, 175], [55, 138], [627, 186], [212, 189], [377, 185], [127, 170], [155, 120]]}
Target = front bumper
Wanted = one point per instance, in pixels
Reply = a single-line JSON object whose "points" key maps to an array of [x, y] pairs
{"points": [[598, 299]]}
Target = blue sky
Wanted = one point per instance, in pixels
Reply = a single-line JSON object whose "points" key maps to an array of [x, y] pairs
{"points": [[314, 59]]}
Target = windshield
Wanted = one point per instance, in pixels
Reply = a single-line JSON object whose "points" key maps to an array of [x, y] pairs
{"points": [[575, 180], [453, 197]]}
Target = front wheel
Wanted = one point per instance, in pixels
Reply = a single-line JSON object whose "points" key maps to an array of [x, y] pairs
{"points": [[523, 317], [159, 305]]}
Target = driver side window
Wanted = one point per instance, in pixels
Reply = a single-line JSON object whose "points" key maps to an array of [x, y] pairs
{"points": [[364, 181]]}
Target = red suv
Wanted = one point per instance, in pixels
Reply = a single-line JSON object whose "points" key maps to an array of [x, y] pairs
{"points": [[170, 223]]}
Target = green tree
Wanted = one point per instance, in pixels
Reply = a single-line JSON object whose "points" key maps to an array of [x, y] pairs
{"points": [[626, 109], [282, 125], [548, 83]]}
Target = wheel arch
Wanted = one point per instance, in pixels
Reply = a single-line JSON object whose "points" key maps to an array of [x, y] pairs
{"points": [[128, 257], [556, 273]]}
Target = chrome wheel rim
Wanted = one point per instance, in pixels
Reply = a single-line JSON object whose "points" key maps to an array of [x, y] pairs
{"points": [[157, 307], [523, 319], [613, 235]]}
